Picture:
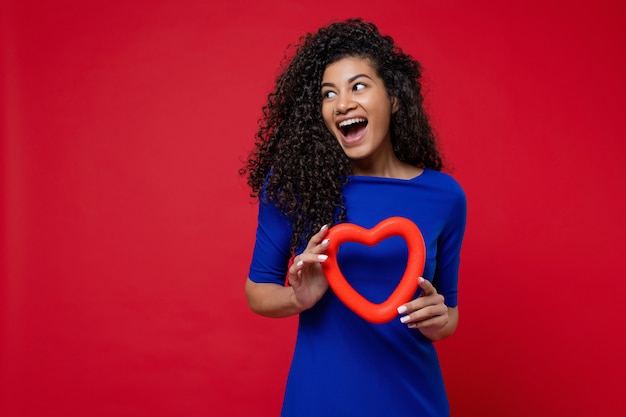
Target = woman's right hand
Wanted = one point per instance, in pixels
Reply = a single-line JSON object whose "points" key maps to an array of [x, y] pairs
{"points": [[305, 274]]}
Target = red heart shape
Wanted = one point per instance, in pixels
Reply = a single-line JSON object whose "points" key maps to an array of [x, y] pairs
{"points": [[393, 226]]}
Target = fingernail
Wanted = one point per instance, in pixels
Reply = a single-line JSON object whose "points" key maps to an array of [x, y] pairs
{"points": [[324, 227], [322, 257], [325, 241], [300, 263], [404, 319], [420, 279], [401, 309]]}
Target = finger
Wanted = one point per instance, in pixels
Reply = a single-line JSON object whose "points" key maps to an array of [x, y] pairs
{"points": [[428, 297], [296, 266], [438, 321], [317, 238], [425, 315], [429, 312], [421, 303], [294, 277], [321, 248], [427, 287], [304, 259]]}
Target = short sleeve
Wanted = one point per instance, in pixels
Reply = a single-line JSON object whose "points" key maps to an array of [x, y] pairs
{"points": [[449, 249], [272, 246]]}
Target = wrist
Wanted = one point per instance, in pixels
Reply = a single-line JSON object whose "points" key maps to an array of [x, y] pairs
{"points": [[295, 303]]}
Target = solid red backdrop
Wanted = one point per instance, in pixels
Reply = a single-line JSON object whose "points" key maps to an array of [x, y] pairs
{"points": [[127, 233]]}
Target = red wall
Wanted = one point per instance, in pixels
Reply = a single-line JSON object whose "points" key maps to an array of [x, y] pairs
{"points": [[127, 233]]}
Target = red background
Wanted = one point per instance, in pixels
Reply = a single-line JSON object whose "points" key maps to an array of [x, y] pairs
{"points": [[127, 233]]}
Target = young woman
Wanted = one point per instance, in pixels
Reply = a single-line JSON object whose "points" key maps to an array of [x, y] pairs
{"points": [[344, 138]]}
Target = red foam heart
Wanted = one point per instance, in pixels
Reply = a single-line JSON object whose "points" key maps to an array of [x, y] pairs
{"points": [[393, 226]]}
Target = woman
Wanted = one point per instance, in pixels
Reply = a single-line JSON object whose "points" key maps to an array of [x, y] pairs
{"points": [[344, 138]]}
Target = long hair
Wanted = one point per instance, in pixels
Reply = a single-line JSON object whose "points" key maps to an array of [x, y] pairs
{"points": [[297, 164]]}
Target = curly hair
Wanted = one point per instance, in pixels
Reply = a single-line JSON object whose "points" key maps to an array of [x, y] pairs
{"points": [[297, 164]]}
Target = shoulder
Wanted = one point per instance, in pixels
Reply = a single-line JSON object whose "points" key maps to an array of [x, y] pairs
{"points": [[443, 183], [448, 194], [442, 178]]}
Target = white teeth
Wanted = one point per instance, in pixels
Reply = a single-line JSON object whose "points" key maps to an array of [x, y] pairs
{"points": [[352, 121]]}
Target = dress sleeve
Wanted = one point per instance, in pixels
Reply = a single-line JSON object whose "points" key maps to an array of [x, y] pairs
{"points": [[449, 250], [271, 249]]}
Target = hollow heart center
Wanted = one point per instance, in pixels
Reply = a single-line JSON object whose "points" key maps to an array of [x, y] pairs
{"points": [[366, 268]]}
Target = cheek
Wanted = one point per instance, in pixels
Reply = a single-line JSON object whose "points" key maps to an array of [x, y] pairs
{"points": [[384, 114]]}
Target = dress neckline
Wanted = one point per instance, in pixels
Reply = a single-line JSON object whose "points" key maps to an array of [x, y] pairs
{"points": [[368, 178]]}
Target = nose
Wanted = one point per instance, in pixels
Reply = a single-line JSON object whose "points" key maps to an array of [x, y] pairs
{"points": [[344, 104]]}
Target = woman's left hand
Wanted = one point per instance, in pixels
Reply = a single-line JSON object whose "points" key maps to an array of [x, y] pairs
{"points": [[428, 313]]}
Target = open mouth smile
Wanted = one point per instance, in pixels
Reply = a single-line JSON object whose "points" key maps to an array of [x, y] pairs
{"points": [[352, 129]]}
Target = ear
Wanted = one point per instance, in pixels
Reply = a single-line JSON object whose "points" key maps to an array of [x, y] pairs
{"points": [[395, 104]]}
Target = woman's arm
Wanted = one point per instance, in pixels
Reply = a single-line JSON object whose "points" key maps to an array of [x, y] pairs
{"points": [[307, 284], [272, 300]]}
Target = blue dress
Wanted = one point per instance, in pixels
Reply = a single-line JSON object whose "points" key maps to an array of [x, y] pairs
{"points": [[343, 365]]}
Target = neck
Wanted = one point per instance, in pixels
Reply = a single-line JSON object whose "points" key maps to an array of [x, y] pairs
{"points": [[390, 167]]}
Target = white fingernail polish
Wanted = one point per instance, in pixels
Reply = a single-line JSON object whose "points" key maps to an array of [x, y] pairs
{"points": [[325, 241], [299, 264], [404, 319], [322, 257], [401, 309]]}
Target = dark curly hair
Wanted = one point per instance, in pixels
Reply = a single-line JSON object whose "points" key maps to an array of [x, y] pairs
{"points": [[297, 164]]}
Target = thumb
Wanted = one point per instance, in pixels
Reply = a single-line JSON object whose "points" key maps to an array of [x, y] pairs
{"points": [[426, 286]]}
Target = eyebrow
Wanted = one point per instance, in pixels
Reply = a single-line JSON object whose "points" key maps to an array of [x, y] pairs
{"points": [[351, 79]]}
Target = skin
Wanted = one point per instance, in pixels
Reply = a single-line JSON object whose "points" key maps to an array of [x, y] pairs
{"points": [[351, 88]]}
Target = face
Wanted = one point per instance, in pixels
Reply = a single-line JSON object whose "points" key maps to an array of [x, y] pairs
{"points": [[357, 110]]}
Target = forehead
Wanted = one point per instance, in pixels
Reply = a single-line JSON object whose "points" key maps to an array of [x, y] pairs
{"points": [[346, 68]]}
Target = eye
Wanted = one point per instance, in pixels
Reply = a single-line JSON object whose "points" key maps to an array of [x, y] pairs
{"points": [[328, 94], [358, 86]]}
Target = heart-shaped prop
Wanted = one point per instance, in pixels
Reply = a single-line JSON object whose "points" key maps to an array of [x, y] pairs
{"points": [[393, 226]]}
